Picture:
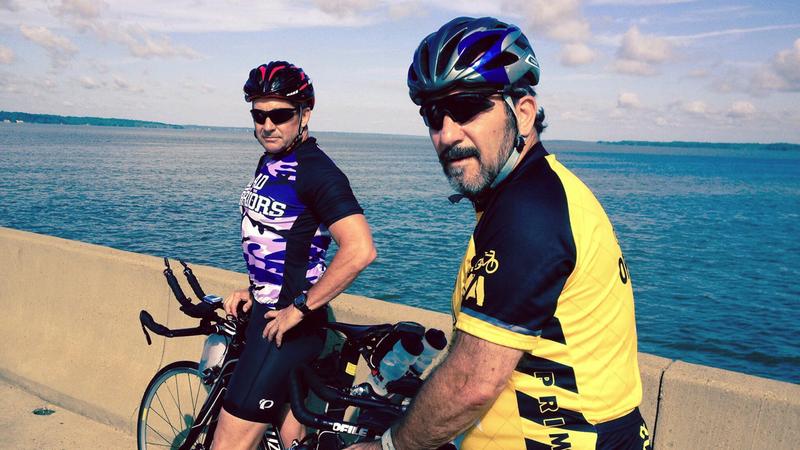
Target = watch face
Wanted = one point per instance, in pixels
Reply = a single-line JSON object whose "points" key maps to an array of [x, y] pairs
{"points": [[300, 303]]}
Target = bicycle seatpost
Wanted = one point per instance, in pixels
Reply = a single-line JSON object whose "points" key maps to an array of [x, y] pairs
{"points": [[198, 291], [173, 284]]}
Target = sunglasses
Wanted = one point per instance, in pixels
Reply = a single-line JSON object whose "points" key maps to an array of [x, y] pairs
{"points": [[276, 116], [460, 107]]}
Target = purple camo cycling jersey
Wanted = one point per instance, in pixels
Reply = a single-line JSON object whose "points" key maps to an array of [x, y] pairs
{"points": [[286, 211]]}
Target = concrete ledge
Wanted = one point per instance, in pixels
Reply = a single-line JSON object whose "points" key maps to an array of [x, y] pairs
{"points": [[709, 408], [73, 337], [652, 369]]}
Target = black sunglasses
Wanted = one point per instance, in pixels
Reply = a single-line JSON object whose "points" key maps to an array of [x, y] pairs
{"points": [[460, 107], [277, 116]]}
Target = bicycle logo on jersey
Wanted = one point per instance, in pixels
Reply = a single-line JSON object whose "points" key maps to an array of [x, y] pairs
{"points": [[488, 262], [473, 289]]}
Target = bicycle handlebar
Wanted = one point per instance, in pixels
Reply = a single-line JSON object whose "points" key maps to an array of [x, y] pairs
{"points": [[148, 322], [187, 271], [303, 376]]}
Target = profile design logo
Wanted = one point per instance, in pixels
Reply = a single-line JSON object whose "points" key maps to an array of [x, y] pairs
{"points": [[473, 285]]}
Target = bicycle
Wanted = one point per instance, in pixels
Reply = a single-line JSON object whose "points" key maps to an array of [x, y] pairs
{"points": [[180, 406]]}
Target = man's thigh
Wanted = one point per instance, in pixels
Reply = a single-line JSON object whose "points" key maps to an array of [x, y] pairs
{"points": [[233, 433], [258, 388]]}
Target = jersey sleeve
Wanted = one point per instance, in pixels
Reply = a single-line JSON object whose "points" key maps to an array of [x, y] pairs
{"points": [[524, 253], [327, 191]]}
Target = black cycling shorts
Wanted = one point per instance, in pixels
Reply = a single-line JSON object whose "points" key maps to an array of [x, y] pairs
{"points": [[259, 386], [628, 432]]}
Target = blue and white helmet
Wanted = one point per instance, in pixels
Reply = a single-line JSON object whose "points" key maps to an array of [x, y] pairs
{"points": [[472, 53]]}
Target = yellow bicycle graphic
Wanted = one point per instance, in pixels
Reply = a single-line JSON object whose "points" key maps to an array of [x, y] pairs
{"points": [[490, 265]]}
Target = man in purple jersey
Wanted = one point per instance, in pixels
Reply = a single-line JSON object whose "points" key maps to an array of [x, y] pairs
{"points": [[297, 201]]}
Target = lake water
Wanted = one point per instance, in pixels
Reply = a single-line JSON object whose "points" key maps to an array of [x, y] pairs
{"points": [[711, 237]]}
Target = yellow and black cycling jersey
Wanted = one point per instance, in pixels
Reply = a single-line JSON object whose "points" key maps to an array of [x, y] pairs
{"points": [[544, 274]]}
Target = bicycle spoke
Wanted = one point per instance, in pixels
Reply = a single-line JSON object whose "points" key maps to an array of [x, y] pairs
{"points": [[171, 408], [191, 394], [159, 434], [166, 420], [178, 395], [164, 410], [159, 445]]}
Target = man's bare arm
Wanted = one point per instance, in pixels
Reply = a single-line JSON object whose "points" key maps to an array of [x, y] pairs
{"points": [[356, 251], [457, 394]]}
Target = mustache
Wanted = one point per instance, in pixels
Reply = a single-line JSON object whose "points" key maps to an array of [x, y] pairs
{"points": [[455, 152]]}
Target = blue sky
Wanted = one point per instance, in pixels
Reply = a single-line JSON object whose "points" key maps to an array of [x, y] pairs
{"points": [[611, 69]]}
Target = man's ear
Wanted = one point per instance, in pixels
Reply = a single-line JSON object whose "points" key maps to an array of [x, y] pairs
{"points": [[526, 110], [304, 118]]}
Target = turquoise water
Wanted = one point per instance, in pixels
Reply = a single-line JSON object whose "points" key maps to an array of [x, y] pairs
{"points": [[711, 236]]}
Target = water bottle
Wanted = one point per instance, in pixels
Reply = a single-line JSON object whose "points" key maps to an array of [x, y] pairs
{"points": [[396, 362], [214, 350], [433, 343]]}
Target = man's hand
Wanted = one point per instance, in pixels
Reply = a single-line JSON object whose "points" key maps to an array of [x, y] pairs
{"points": [[232, 301], [374, 445], [281, 321]]}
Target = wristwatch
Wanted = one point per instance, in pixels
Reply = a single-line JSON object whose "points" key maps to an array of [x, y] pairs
{"points": [[300, 303]]}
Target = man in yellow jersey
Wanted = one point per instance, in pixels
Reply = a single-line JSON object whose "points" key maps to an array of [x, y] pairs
{"points": [[544, 349]]}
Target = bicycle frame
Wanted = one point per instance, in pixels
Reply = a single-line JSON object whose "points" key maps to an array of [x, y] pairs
{"points": [[359, 340]]}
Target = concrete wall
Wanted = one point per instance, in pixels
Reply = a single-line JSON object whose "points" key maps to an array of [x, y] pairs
{"points": [[73, 337]]}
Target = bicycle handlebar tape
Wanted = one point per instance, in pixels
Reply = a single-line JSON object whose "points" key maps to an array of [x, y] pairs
{"points": [[187, 271], [173, 284]]}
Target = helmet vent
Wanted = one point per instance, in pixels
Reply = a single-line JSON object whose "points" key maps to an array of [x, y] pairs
{"points": [[475, 51], [412, 75], [447, 51], [503, 60], [424, 57]]}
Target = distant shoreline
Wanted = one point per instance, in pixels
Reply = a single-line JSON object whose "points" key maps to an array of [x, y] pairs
{"points": [[52, 119], [777, 146], [21, 117]]}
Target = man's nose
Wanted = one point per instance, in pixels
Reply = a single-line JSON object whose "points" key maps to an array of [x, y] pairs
{"points": [[267, 126], [450, 134]]}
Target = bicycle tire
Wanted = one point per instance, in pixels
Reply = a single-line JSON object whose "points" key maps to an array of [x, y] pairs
{"points": [[169, 406]]}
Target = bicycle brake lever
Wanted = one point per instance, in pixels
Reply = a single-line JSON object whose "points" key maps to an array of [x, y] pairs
{"points": [[144, 329], [147, 336]]}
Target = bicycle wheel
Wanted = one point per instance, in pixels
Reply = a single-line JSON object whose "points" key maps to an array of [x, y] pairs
{"points": [[169, 406]]}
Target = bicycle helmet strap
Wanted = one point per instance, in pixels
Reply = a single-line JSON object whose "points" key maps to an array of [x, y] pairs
{"points": [[519, 144]]}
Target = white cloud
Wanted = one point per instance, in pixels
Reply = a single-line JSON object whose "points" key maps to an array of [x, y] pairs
{"points": [[6, 55], [401, 10], [344, 8], [47, 39], [732, 31], [8, 86], [628, 100], [577, 55], [158, 47], [741, 110], [560, 20], [638, 2], [695, 107], [641, 47], [10, 5], [639, 53], [184, 16], [84, 9], [698, 73], [782, 73], [125, 85], [58, 47], [631, 67], [89, 83]]}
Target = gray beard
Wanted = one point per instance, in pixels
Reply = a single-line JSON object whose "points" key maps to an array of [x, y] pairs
{"points": [[486, 175]]}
